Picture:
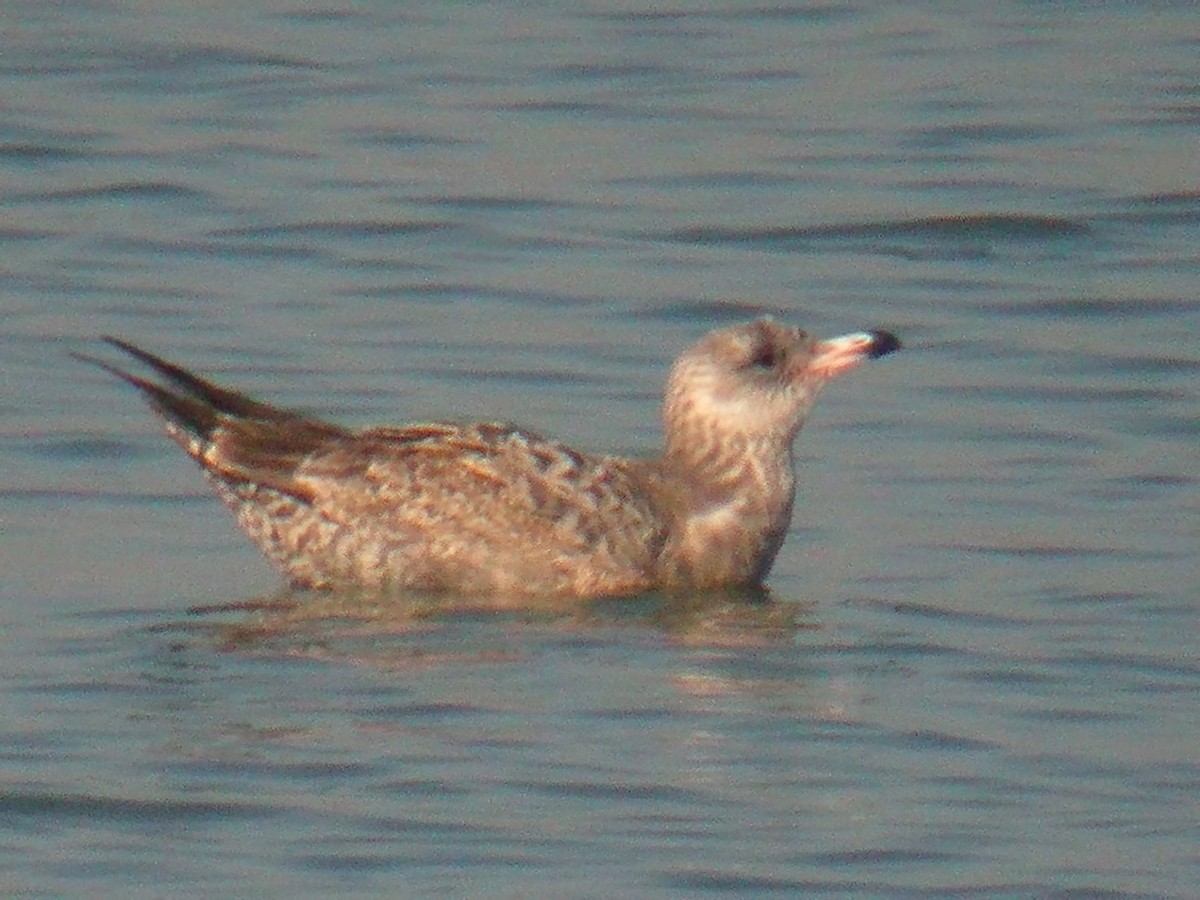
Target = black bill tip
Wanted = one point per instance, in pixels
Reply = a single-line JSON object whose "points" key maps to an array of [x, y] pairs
{"points": [[883, 343]]}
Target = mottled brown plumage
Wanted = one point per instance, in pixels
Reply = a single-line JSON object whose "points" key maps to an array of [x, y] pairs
{"points": [[494, 509]]}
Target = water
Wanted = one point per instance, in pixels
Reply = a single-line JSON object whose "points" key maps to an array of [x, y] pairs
{"points": [[978, 675]]}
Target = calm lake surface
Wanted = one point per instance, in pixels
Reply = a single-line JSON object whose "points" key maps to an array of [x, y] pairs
{"points": [[978, 674]]}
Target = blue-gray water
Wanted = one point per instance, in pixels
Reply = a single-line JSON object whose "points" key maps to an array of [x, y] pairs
{"points": [[980, 675]]}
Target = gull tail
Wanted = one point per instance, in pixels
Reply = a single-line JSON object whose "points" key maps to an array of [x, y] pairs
{"points": [[231, 435]]}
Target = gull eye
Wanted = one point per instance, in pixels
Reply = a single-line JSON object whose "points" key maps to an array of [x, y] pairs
{"points": [[764, 357]]}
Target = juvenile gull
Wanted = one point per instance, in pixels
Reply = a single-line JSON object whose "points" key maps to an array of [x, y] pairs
{"points": [[490, 508]]}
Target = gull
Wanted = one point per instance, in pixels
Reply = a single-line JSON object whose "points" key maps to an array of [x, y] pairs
{"points": [[494, 509]]}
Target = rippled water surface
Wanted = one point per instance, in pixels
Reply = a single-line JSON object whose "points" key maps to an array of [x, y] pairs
{"points": [[977, 671]]}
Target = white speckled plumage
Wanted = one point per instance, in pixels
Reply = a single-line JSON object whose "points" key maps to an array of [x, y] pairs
{"points": [[493, 509]]}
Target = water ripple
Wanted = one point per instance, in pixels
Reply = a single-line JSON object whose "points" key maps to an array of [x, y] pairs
{"points": [[969, 235], [66, 807]]}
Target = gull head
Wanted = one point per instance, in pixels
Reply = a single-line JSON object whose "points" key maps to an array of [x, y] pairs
{"points": [[756, 383]]}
